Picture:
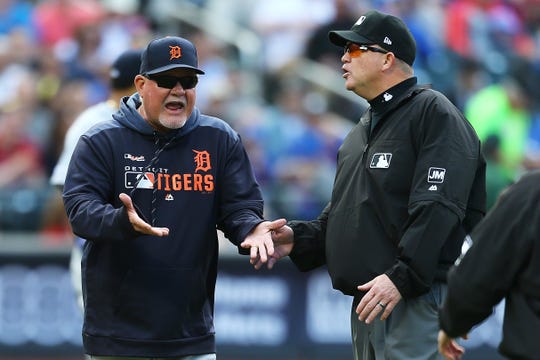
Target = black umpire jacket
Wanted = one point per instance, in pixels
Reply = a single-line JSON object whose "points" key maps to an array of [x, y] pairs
{"points": [[405, 195]]}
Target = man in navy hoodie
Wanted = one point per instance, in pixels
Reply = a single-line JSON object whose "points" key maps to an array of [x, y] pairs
{"points": [[148, 189]]}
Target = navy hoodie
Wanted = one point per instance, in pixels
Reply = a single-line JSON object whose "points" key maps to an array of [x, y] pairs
{"points": [[145, 295]]}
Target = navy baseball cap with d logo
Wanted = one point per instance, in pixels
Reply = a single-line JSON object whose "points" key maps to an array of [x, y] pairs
{"points": [[168, 53]]}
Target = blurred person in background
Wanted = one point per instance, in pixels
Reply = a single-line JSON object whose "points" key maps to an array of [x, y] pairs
{"points": [[123, 27], [57, 21], [149, 262], [409, 186], [488, 31], [217, 59], [16, 76], [121, 81], [300, 154], [502, 110], [502, 263], [85, 64], [21, 159], [318, 49], [70, 99], [283, 27]]}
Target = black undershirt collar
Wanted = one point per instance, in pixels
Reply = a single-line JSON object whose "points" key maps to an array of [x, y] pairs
{"points": [[384, 101]]}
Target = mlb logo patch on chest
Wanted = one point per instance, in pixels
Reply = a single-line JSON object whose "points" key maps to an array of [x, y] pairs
{"points": [[380, 161], [436, 175]]}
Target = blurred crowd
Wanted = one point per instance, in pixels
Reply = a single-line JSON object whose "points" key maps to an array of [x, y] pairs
{"points": [[270, 72]]}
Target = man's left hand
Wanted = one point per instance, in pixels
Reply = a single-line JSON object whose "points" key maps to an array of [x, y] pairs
{"points": [[381, 298]]}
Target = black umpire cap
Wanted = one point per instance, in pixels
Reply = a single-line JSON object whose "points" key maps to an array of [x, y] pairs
{"points": [[387, 31]]}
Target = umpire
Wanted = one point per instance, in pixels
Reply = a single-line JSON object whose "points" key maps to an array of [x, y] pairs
{"points": [[409, 186]]}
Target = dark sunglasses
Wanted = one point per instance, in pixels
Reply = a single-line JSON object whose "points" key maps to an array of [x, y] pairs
{"points": [[169, 81], [355, 50]]}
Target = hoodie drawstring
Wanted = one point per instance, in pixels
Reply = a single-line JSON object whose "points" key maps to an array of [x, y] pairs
{"points": [[152, 163]]}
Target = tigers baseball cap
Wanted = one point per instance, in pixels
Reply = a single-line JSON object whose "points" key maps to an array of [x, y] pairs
{"points": [[125, 68], [387, 31], [168, 53]]}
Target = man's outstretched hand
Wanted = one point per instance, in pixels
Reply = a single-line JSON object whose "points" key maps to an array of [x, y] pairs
{"points": [[260, 243], [137, 222], [283, 245]]}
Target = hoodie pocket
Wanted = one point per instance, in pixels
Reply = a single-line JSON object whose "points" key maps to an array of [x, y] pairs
{"points": [[164, 303]]}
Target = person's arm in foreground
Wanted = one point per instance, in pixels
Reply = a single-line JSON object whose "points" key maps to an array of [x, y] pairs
{"points": [[502, 245]]}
